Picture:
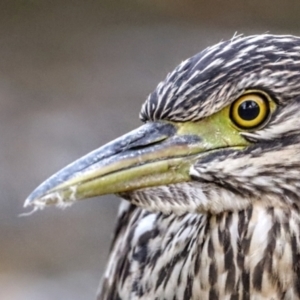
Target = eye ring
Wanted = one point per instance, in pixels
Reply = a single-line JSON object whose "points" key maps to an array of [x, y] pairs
{"points": [[250, 110]]}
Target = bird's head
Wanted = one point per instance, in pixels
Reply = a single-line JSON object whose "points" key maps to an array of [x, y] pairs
{"points": [[221, 133]]}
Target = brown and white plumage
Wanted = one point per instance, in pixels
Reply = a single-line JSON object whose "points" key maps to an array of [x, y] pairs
{"points": [[230, 228], [248, 254]]}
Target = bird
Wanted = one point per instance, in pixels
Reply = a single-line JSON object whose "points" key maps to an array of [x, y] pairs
{"points": [[210, 182]]}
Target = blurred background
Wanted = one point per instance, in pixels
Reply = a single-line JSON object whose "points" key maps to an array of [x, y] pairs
{"points": [[73, 76]]}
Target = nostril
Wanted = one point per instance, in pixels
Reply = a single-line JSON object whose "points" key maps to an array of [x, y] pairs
{"points": [[145, 145], [157, 132]]}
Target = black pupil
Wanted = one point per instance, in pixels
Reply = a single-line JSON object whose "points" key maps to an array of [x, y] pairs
{"points": [[248, 110]]}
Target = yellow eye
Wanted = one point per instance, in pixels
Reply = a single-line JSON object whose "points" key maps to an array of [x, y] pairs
{"points": [[250, 110]]}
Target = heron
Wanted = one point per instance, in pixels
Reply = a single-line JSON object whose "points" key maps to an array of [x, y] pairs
{"points": [[210, 182]]}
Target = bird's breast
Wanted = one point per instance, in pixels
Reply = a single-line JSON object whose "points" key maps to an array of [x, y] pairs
{"points": [[249, 254]]}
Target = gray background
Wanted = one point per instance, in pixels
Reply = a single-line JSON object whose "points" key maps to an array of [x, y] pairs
{"points": [[73, 76]]}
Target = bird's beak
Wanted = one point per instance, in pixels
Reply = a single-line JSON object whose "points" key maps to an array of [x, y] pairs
{"points": [[157, 153]]}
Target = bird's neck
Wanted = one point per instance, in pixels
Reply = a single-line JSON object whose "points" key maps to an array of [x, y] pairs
{"points": [[256, 251]]}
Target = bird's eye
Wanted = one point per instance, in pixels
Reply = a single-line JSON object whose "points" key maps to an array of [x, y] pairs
{"points": [[250, 111]]}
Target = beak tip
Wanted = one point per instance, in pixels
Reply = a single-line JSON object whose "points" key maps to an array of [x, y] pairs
{"points": [[41, 197], [30, 201], [26, 203], [45, 200], [35, 203]]}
